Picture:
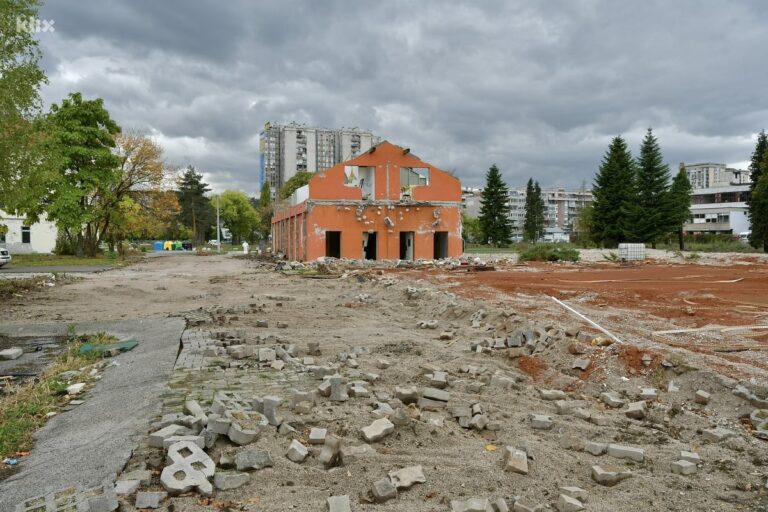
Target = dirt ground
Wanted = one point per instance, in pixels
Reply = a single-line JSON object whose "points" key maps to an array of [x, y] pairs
{"points": [[375, 313]]}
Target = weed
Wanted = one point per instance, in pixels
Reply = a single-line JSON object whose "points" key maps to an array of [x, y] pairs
{"points": [[550, 252], [694, 256], [11, 287], [612, 256]]}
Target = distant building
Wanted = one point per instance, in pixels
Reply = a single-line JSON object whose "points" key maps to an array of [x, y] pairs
{"points": [[384, 204], [21, 237], [719, 199], [288, 149]]}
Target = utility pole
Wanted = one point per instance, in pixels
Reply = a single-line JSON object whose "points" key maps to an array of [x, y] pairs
{"points": [[218, 226]]}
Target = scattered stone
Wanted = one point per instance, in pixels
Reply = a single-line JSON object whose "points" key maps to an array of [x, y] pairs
{"points": [[568, 504], [435, 394], [636, 410], [338, 389], [144, 476], [198, 440], [702, 397], [715, 435], [75, 389], [684, 467], [612, 399], [297, 452], [317, 435], [552, 394], [581, 363], [608, 475], [377, 430], [156, 438], [541, 422], [150, 499], [407, 395], [647, 360], [267, 355], [384, 490], [478, 422], [382, 364], [438, 380], [278, 365], [190, 469], [253, 459], [313, 348], [515, 460], [471, 505], [217, 424], [407, 477], [126, 487], [596, 449], [566, 407], [12, 353], [500, 505], [575, 492], [271, 404], [338, 504], [690, 457], [446, 335], [626, 452], [224, 480], [525, 506], [329, 455], [649, 394]]}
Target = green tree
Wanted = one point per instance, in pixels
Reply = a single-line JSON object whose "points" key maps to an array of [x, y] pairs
{"points": [[20, 80], [651, 210], [470, 232], [614, 193], [540, 209], [237, 214], [196, 211], [297, 181], [758, 208], [679, 204], [759, 155], [494, 210], [535, 213], [265, 211], [583, 226], [82, 134]]}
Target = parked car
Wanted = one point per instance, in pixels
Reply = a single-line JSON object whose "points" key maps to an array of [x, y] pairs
{"points": [[5, 256]]}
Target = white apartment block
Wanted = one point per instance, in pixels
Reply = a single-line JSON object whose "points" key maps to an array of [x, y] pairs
{"points": [[288, 149], [719, 199]]}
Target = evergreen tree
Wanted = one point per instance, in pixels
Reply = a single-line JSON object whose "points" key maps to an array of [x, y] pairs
{"points": [[265, 210], [196, 211], [758, 216], [679, 204], [494, 210], [529, 224], [651, 211], [759, 155], [540, 211], [613, 192]]}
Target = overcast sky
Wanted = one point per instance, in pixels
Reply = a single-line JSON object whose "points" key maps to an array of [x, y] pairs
{"points": [[538, 88]]}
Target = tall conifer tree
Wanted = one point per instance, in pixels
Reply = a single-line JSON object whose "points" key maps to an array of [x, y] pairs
{"points": [[651, 211], [613, 192], [494, 210]]}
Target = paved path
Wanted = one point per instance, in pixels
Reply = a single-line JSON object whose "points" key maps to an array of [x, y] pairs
{"points": [[48, 269], [94, 440]]}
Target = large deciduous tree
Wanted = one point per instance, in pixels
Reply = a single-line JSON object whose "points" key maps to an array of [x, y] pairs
{"points": [[237, 214], [196, 210], [82, 134], [296, 181], [651, 210], [494, 210], [614, 192]]}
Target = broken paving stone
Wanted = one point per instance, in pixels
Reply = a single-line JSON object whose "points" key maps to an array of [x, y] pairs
{"points": [[198, 440], [541, 422], [329, 455], [383, 410], [435, 394], [75, 389], [626, 452], [609, 475], [702, 397], [683, 467], [446, 335], [400, 417], [338, 504], [278, 365], [566, 407], [156, 438], [12, 353], [471, 505], [612, 399], [126, 487], [478, 422], [552, 394], [313, 348], [690, 457], [317, 435], [377, 430], [499, 505], [503, 382], [149, 499], [253, 459], [407, 395], [190, 468], [144, 476], [582, 413], [715, 435], [636, 410], [568, 504], [285, 429], [225, 480], [526, 506], [267, 355], [358, 390], [383, 364], [271, 404], [438, 380], [297, 452], [581, 363], [596, 449], [384, 490], [216, 424], [338, 389], [431, 405], [406, 477], [515, 460], [649, 393], [350, 454], [575, 492]]}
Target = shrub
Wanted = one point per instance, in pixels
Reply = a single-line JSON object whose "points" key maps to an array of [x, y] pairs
{"points": [[550, 252]]}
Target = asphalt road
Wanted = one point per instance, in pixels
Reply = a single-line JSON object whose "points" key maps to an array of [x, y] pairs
{"points": [[94, 440], [49, 269]]}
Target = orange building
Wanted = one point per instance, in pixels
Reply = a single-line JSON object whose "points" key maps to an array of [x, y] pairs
{"points": [[384, 204]]}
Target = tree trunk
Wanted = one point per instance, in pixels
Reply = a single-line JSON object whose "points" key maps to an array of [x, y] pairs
{"points": [[681, 239], [765, 245]]}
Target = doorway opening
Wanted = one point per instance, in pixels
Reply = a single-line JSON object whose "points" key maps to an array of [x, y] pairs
{"points": [[333, 244], [440, 245], [406, 245], [369, 246]]}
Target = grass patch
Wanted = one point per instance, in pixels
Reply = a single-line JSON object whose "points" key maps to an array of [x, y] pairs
{"points": [[708, 243], [12, 286], [23, 407], [489, 249], [550, 252], [43, 260]]}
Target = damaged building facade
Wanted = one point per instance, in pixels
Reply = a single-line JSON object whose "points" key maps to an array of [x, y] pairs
{"points": [[384, 204]]}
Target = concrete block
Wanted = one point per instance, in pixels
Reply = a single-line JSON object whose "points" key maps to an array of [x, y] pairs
{"points": [[384, 490], [526, 506], [626, 452], [430, 405], [499, 505], [271, 404], [608, 475], [568, 504], [338, 504], [636, 410], [581, 363], [350, 454], [649, 393], [297, 452], [596, 449], [12, 353], [286, 429], [329, 455], [383, 410], [75, 389], [225, 480], [690, 457], [377, 430], [684, 467], [582, 413], [317, 435], [198, 440], [702, 397], [439, 380], [566, 407], [156, 438], [407, 477], [150, 499], [144, 476], [541, 422], [715, 435], [612, 399], [515, 460], [436, 394], [471, 505], [478, 422], [267, 355], [190, 468], [358, 390], [209, 438], [407, 395], [338, 389], [126, 487], [503, 382], [552, 394], [575, 492], [253, 459], [218, 424]]}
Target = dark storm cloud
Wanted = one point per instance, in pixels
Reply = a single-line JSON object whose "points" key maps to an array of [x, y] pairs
{"points": [[537, 87]]}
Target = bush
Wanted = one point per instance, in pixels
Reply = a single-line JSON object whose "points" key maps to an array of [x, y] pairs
{"points": [[550, 252]]}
